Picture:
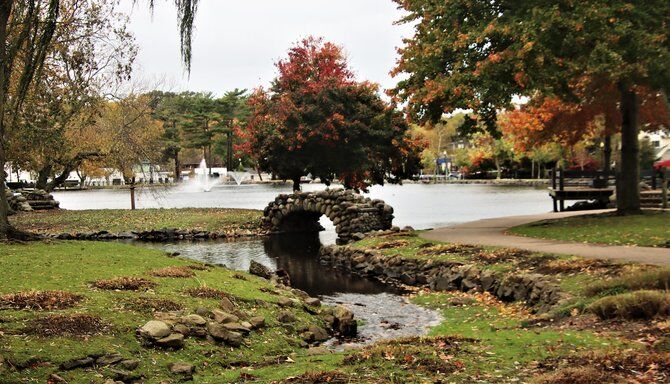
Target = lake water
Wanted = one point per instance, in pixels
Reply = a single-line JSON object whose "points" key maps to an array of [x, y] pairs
{"points": [[385, 311], [418, 205]]}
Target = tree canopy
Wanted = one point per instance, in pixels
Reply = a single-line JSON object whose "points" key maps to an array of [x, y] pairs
{"points": [[479, 54], [317, 119]]}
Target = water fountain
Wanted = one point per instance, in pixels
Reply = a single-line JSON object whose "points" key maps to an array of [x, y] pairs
{"points": [[239, 176], [202, 181]]}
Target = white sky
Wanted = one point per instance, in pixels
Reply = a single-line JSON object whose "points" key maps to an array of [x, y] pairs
{"points": [[236, 43]]}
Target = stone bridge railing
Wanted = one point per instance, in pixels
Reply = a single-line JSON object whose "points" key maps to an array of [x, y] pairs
{"points": [[351, 213]]}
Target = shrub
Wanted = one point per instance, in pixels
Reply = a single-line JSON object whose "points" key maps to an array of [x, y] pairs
{"points": [[653, 279], [634, 305]]}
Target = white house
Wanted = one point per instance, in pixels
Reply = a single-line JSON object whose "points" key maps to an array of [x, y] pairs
{"points": [[660, 140]]}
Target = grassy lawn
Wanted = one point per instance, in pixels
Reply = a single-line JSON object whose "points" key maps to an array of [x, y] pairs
{"points": [[650, 229], [73, 266], [480, 339], [122, 220]]}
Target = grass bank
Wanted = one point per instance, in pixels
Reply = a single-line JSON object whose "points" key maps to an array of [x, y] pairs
{"points": [[651, 229], [480, 339], [123, 220], [40, 333]]}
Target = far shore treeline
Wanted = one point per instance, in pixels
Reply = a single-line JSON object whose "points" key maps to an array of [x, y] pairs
{"points": [[495, 98]]}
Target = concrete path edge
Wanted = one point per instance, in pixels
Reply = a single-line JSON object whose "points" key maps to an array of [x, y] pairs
{"points": [[492, 232]]}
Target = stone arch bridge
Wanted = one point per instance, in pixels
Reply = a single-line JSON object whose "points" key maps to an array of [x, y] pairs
{"points": [[351, 213]]}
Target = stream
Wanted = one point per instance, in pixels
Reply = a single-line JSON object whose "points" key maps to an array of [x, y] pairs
{"points": [[384, 312]]}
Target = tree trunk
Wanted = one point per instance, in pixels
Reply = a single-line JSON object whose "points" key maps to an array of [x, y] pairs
{"points": [[296, 184], [177, 168], [208, 158], [132, 194], [260, 177], [43, 177], [498, 170], [58, 180], [5, 227], [532, 169], [607, 155], [627, 186]]}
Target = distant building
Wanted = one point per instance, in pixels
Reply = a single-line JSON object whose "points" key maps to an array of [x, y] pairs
{"points": [[660, 140]]}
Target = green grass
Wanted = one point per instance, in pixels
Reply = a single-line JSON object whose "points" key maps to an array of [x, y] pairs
{"points": [[72, 266], [123, 220], [504, 344], [494, 341], [650, 229]]}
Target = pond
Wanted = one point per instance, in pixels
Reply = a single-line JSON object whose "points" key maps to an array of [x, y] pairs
{"points": [[417, 205], [385, 312]]}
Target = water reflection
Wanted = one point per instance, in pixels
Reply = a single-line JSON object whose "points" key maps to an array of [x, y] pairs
{"points": [[295, 253], [298, 255]]}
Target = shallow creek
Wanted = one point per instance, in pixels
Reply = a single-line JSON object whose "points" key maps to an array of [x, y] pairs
{"points": [[385, 312]]}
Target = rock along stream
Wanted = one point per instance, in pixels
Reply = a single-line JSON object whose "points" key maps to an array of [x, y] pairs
{"points": [[384, 312]]}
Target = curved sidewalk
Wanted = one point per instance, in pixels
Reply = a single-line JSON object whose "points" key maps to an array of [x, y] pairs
{"points": [[492, 232]]}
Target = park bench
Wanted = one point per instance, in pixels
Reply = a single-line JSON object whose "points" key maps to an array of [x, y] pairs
{"points": [[579, 185]]}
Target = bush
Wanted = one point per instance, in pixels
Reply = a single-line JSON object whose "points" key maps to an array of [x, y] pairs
{"points": [[635, 305], [654, 279]]}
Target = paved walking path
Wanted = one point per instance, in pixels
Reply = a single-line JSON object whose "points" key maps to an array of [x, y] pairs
{"points": [[492, 232]]}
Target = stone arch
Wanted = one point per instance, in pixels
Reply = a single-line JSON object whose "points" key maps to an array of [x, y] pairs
{"points": [[351, 213]]}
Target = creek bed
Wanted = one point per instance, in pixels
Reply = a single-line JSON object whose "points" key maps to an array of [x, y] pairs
{"points": [[385, 313]]}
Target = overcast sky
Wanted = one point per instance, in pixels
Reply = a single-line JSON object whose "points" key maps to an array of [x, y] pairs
{"points": [[236, 43]]}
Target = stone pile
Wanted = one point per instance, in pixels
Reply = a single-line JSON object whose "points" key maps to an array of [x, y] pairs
{"points": [[352, 214], [340, 320], [536, 290], [18, 203], [38, 199], [169, 330], [160, 235], [120, 368]]}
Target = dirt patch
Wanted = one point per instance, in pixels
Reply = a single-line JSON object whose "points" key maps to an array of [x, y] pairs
{"points": [[579, 375], [39, 300], [334, 377], [124, 284], [501, 255], [73, 325], [392, 244], [632, 366], [179, 272], [198, 267], [444, 249], [206, 292], [577, 265], [151, 304], [413, 354]]}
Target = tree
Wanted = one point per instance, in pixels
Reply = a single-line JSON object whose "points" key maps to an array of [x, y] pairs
{"points": [[90, 51], [479, 54], [26, 34], [486, 146], [317, 119], [440, 138], [166, 109]]}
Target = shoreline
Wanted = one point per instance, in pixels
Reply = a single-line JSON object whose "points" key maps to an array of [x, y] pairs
{"points": [[500, 182]]}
